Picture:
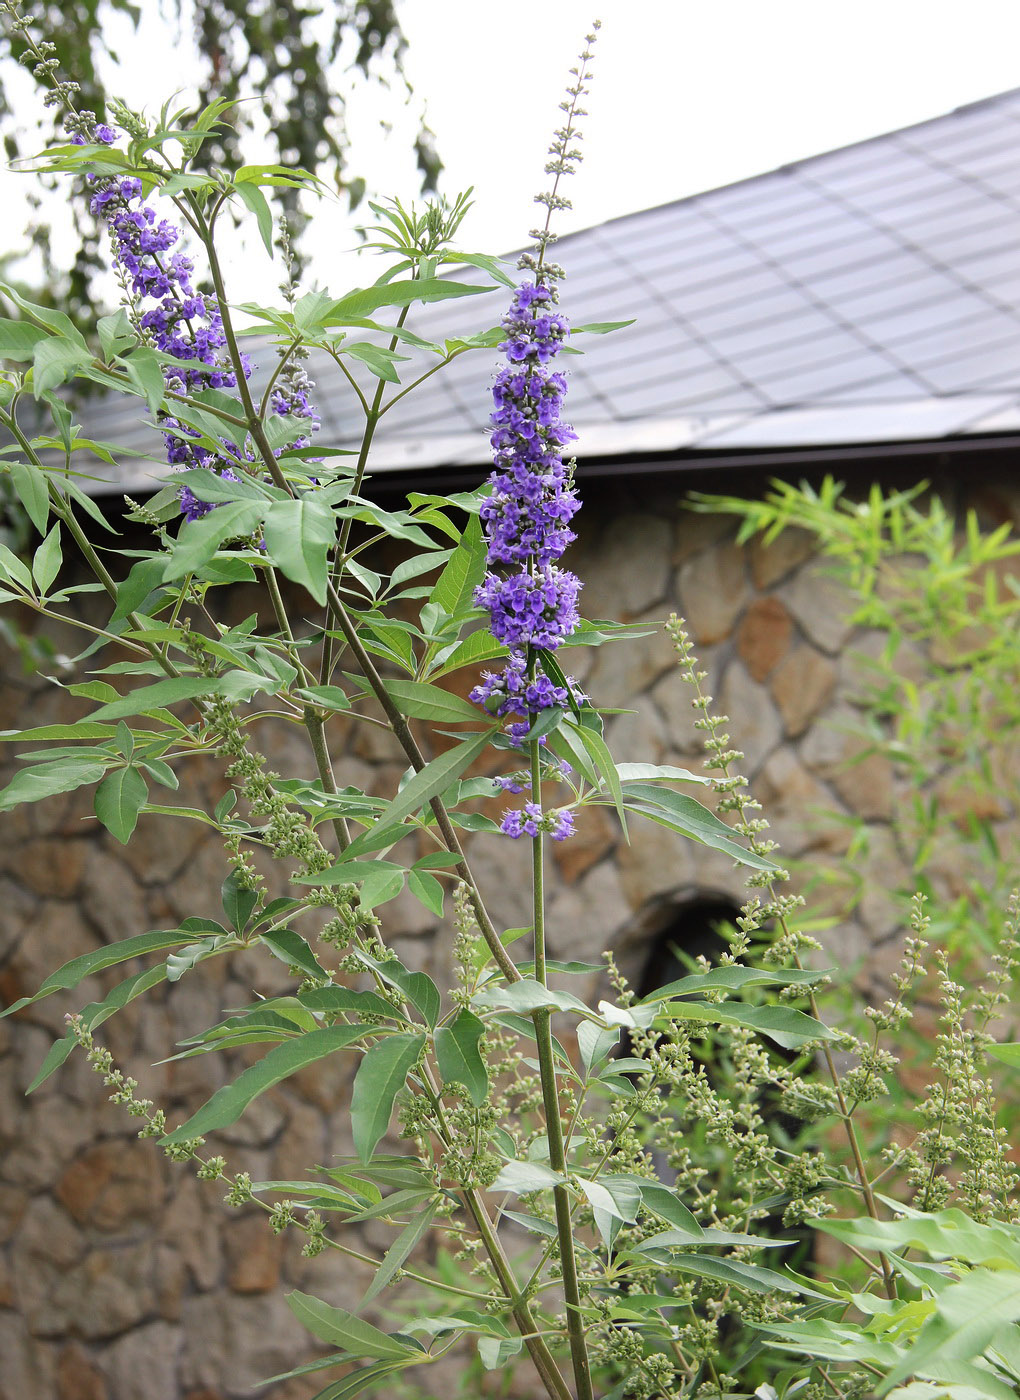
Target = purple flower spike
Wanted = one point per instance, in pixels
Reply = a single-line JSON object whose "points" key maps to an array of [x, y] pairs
{"points": [[186, 324], [532, 604]]}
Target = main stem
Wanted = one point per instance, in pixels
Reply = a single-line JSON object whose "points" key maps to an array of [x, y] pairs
{"points": [[553, 1121], [519, 1306]]}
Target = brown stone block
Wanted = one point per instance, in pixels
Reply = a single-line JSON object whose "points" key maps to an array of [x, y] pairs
{"points": [[696, 532], [713, 589], [593, 838], [112, 1185], [13, 1204], [796, 804], [50, 867], [822, 607], [77, 1378], [866, 786], [773, 561], [802, 686], [111, 899], [253, 1255], [763, 637], [160, 846], [631, 568], [754, 725]]}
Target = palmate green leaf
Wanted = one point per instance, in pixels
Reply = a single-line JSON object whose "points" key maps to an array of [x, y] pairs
{"points": [[228, 1103], [259, 206], [381, 1075], [48, 779], [495, 1352], [31, 490], [116, 333], [652, 772], [199, 540], [533, 1223], [788, 1027], [155, 697], [18, 340], [681, 813], [299, 534], [418, 987], [377, 358], [84, 729], [361, 1380], [418, 700], [177, 964], [238, 901], [343, 1329], [352, 1384], [595, 1043], [527, 995], [454, 589], [293, 950], [832, 1341], [399, 1250], [144, 579], [427, 890], [944, 1234], [522, 1177], [54, 361], [146, 373], [119, 799], [363, 303], [620, 1200], [396, 1203], [663, 1201], [475, 648], [1009, 1054], [432, 781], [460, 1061], [681, 1239], [56, 322], [67, 977], [327, 697], [597, 751], [735, 979], [752, 1277], [343, 999]]}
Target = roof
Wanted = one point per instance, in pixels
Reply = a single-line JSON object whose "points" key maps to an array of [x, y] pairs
{"points": [[870, 294]]}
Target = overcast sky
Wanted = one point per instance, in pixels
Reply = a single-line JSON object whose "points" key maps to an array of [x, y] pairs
{"points": [[687, 95]]}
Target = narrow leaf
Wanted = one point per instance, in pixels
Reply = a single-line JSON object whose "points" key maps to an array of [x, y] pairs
{"points": [[299, 534], [460, 1061], [399, 1250], [47, 780], [118, 800], [381, 1075], [67, 977], [343, 1329], [228, 1103]]}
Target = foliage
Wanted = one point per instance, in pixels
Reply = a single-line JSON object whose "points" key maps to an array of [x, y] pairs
{"points": [[619, 1214], [273, 58], [936, 694]]}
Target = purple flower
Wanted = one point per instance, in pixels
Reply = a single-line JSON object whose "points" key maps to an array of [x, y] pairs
{"points": [[537, 610], [187, 325], [532, 604], [532, 821]]}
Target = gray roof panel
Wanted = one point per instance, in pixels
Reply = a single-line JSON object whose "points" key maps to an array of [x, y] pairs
{"points": [[868, 294]]}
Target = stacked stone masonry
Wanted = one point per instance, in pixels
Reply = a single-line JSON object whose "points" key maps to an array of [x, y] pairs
{"points": [[122, 1277]]}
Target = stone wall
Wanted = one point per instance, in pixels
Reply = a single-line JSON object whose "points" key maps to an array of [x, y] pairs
{"points": [[124, 1278]]}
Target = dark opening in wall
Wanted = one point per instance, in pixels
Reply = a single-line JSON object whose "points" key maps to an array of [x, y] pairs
{"points": [[689, 930]]}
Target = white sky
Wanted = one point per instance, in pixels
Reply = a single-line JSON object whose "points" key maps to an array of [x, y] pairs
{"points": [[688, 94]]}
